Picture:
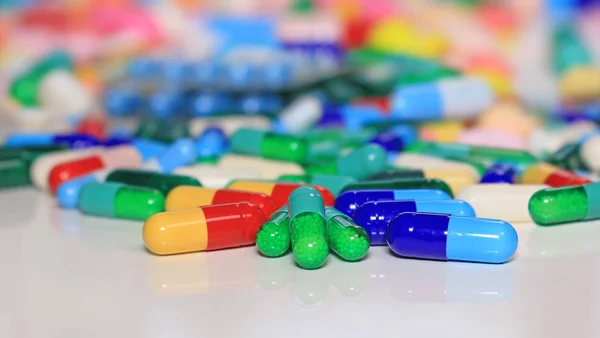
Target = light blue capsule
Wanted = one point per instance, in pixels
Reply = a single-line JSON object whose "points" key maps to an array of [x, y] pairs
{"points": [[181, 153], [67, 193], [421, 195]]}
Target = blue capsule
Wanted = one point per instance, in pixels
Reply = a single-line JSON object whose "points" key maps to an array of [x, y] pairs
{"points": [[242, 76], [331, 117], [375, 216], [445, 237], [357, 116], [212, 142], [207, 73], [67, 193], [166, 103], [43, 139], [211, 104], [143, 68], [500, 173], [396, 138], [122, 102], [149, 148], [350, 200], [260, 104], [114, 141], [181, 153]]}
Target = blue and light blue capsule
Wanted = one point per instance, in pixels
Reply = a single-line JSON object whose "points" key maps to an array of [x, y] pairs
{"points": [[375, 216], [446, 237], [500, 173], [67, 193], [212, 142], [396, 138], [181, 153], [348, 201], [46, 139]]}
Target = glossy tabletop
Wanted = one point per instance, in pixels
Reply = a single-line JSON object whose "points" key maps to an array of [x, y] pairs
{"points": [[63, 274]]}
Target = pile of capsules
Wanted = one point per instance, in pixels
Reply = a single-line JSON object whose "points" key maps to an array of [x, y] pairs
{"points": [[317, 145]]}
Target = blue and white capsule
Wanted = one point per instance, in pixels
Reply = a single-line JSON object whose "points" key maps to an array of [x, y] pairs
{"points": [[350, 200], [181, 153], [375, 216], [299, 115], [46, 139], [456, 238], [456, 98]]}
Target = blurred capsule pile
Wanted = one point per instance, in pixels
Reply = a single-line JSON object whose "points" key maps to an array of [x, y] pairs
{"points": [[308, 127]]}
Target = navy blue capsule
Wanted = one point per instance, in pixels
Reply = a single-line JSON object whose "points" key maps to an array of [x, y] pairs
{"points": [[212, 142], [211, 104], [331, 117], [375, 216], [114, 141], [446, 237], [396, 138], [350, 200], [43, 139], [500, 173]]}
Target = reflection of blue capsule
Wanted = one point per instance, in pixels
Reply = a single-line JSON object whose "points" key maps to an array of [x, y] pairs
{"points": [[210, 104], [260, 104], [396, 138], [375, 216], [120, 102], [212, 142], [44, 139], [446, 237], [348, 201], [499, 173]]}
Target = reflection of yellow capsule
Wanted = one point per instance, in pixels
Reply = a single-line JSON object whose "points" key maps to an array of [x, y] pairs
{"points": [[457, 178]]}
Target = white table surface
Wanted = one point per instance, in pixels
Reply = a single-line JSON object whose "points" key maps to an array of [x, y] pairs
{"points": [[66, 275]]}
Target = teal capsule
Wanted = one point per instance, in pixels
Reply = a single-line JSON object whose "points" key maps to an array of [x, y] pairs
{"points": [[359, 164]]}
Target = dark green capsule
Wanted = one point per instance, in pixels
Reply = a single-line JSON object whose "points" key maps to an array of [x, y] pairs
{"points": [[410, 183], [149, 179]]}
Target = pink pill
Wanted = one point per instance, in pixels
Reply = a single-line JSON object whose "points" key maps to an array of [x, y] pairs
{"points": [[492, 138]]}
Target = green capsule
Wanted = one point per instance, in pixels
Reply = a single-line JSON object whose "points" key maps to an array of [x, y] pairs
{"points": [[485, 155], [335, 184], [150, 179], [567, 157], [120, 201], [307, 227], [360, 163], [273, 238], [401, 184], [208, 160], [345, 238], [342, 90], [16, 162], [255, 142], [568, 50], [566, 204], [164, 131]]}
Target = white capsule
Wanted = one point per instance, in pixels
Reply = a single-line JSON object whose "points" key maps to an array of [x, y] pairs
{"points": [[229, 124], [420, 161], [268, 169], [216, 177], [544, 141], [590, 153], [507, 202], [62, 94], [300, 115], [41, 166]]}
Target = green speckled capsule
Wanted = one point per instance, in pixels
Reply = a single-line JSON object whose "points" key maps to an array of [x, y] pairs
{"points": [[566, 204], [307, 227], [273, 237], [410, 183], [345, 238]]}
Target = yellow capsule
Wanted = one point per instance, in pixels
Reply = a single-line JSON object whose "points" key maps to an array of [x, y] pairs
{"points": [[188, 197], [175, 232], [457, 178], [580, 83], [444, 131]]}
